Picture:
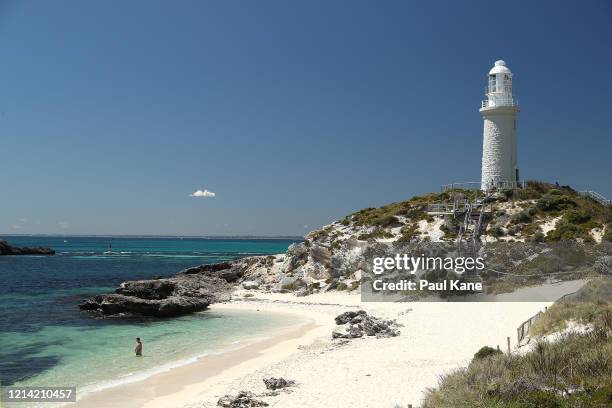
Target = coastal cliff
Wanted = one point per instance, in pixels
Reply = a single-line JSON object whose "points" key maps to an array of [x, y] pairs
{"points": [[539, 232], [6, 249]]}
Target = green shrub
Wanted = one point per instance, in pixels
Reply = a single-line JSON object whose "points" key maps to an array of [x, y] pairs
{"points": [[542, 399], [507, 193], [486, 351], [322, 233], [496, 231], [377, 233], [577, 216], [554, 201], [387, 221], [521, 217], [537, 379], [336, 244], [592, 304], [607, 236], [564, 231], [575, 223], [408, 232]]}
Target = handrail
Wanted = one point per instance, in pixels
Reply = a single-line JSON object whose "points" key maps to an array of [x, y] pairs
{"points": [[476, 185], [466, 185], [500, 102], [523, 329], [596, 196]]}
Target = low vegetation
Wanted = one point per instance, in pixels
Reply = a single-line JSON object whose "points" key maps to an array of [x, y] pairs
{"points": [[485, 352], [574, 371], [517, 215], [591, 305], [534, 263], [409, 232], [376, 234]]}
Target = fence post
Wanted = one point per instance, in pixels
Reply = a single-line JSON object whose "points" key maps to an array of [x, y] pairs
{"points": [[508, 338]]}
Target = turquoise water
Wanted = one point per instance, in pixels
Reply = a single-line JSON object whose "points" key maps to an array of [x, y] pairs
{"points": [[45, 340]]}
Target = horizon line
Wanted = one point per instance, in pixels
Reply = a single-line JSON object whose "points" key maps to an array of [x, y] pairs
{"points": [[157, 236]]}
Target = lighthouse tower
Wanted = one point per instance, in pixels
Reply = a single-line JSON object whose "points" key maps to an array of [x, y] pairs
{"points": [[499, 110]]}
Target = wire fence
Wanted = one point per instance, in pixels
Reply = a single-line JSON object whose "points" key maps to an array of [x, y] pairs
{"points": [[523, 330]]}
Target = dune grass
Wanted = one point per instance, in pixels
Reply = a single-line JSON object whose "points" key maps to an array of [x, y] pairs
{"points": [[574, 371], [590, 305]]}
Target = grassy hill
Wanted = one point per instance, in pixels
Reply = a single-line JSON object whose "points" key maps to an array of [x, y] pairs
{"points": [[537, 213]]}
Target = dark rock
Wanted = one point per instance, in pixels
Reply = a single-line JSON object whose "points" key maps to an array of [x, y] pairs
{"points": [[244, 399], [372, 326], [347, 332], [147, 289], [359, 324], [6, 249], [229, 271], [191, 290], [346, 317], [276, 383], [207, 268], [168, 297]]}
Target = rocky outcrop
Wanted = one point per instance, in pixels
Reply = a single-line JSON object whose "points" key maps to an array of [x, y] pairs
{"points": [[183, 294], [277, 383], [6, 249], [355, 324], [191, 290], [244, 399]]}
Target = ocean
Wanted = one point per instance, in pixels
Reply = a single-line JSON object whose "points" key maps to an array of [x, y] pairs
{"points": [[45, 340]]}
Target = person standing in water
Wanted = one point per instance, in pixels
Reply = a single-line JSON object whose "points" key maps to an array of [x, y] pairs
{"points": [[138, 348]]}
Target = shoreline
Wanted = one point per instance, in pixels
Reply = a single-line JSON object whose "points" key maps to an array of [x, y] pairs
{"points": [[435, 338], [153, 390]]}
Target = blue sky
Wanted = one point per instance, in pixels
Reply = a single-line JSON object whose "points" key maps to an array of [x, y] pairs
{"points": [[294, 113]]}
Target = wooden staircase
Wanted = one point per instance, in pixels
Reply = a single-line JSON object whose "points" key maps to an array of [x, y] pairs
{"points": [[472, 277], [473, 221]]}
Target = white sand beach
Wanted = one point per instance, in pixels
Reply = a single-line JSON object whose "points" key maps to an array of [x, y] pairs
{"points": [[435, 338]]}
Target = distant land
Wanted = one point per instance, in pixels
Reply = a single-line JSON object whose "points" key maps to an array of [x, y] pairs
{"points": [[160, 236]]}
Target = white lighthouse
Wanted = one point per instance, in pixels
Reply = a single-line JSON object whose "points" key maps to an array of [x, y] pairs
{"points": [[499, 110]]}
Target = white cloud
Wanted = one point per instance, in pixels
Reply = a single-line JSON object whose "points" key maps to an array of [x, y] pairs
{"points": [[63, 225], [202, 193]]}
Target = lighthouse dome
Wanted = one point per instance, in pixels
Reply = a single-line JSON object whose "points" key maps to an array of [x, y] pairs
{"points": [[500, 68]]}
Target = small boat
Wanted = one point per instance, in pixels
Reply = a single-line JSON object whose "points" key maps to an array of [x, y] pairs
{"points": [[110, 248]]}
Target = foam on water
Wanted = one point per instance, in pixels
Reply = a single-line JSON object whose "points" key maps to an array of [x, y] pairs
{"points": [[47, 341]]}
